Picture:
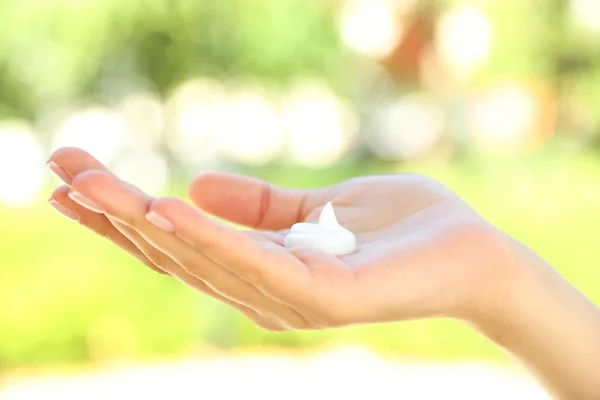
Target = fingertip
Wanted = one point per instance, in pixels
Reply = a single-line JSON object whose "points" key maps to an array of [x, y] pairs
{"points": [[92, 189], [59, 153], [63, 210], [64, 154], [60, 193], [59, 172], [244, 200], [205, 187], [66, 196], [201, 180], [167, 204], [87, 180], [73, 161], [208, 177]]}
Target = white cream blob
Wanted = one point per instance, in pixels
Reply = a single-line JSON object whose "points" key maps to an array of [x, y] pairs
{"points": [[327, 235]]}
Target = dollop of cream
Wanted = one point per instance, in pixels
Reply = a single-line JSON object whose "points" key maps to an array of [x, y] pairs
{"points": [[327, 235]]}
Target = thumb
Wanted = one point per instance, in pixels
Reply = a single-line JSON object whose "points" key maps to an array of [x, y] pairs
{"points": [[251, 202]]}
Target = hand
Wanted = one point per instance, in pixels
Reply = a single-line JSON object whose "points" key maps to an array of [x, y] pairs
{"points": [[422, 252]]}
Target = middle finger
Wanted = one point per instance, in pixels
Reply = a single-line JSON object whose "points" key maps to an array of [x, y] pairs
{"points": [[129, 206]]}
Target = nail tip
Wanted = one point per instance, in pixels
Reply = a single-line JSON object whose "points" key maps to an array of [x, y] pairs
{"points": [[62, 210], [84, 201], [59, 172]]}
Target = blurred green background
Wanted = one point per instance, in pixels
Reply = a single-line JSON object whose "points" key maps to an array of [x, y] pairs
{"points": [[499, 100]]}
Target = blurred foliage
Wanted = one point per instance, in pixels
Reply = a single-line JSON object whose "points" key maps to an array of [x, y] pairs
{"points": [[68, 49], [70, 297]]}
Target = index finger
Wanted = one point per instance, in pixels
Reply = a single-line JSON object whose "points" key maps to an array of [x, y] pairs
{"points": [[271, 269], [275, 272]]}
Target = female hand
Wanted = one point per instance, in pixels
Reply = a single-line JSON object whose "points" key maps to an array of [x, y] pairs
{"points": [[422, 252]]}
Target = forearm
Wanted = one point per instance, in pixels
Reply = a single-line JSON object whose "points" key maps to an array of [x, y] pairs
{"points": [[552, 328]]}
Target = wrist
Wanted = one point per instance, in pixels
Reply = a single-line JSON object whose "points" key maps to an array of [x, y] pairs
{"points": [[508, 300], [498, 289], [524, 294], [543, 321]]}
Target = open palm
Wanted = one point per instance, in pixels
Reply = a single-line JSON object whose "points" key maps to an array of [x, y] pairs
{"points": [[421, 252]]}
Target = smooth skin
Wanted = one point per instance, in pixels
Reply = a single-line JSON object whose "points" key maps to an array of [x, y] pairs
{"points": [[422, 253]]}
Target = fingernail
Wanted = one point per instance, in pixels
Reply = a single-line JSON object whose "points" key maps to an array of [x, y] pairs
{"points": [[62, 210], [84, 201], [59, 172], [160, 221]]}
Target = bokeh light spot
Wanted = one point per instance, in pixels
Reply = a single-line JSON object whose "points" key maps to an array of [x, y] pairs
{"points": [[369, 27], [464, 38], [321, 129], [21, 164], [254, 132], [99, 131]]}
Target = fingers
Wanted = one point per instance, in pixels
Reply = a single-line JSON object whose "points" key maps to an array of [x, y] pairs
{"points": [[251, 202], [145, 253], [68, 162], [101, 191], [240, 199], [172, 268], [97, 223], [264, 264]]}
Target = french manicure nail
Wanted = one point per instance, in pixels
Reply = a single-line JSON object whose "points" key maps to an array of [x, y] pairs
{"points": [[59, 172], [62, 210], [158, 220], [84, 201]]}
